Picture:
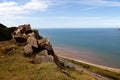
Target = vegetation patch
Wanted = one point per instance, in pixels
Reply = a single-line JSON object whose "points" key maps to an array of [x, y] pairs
{"points": [[18, 67], [103, 72]]}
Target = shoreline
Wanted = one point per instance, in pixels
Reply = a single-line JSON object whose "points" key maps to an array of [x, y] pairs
{"points": [[67, 55]]}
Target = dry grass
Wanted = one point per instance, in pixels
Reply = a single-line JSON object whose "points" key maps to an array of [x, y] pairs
{"points": [[14, 66]]}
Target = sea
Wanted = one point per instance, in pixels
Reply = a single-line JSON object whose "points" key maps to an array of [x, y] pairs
{"points": [[96, 45]]}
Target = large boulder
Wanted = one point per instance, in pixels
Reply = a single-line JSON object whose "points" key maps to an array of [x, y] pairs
{"points": [[24, 28], [19, 34], [43, 52], [43, 41], [42, 57], [32, 41], [66, 63], [28, 49]]}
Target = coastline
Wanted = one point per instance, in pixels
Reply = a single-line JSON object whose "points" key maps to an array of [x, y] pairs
{"points": [[67, 55]]}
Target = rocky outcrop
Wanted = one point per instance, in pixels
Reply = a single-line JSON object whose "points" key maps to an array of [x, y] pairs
{"points": [[35, 45], [23, 32]]}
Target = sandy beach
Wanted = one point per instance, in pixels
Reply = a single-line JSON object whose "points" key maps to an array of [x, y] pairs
{"points": [[68, 55]]}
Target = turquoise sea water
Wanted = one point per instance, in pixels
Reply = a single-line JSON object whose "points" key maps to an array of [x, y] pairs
{"points": [[97, 45]]}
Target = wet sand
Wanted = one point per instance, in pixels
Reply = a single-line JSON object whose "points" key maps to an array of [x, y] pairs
{"points": [[75, 57]]}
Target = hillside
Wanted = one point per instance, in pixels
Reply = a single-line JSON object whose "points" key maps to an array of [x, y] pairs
{"points": [[5, 33], [14, 66], [27, 55]]}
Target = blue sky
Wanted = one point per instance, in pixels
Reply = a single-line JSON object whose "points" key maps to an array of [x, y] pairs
{"points": [[61, 13]]}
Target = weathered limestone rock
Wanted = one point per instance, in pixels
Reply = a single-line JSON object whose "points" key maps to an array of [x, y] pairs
{"points": [[28, 49], [66, 63], [37, 36], [36, 46], [32, 41], [43, 52], [43, 41], [19, 34], [24, 28], [42, 57]]}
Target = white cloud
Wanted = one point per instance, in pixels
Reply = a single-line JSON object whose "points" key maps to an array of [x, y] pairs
{"points": [[37, 5], [89, 2], [100, 2], [12, 8], [7, 4]]}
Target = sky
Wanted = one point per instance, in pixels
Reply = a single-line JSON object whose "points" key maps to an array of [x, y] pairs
{"points": [[61, 13]]}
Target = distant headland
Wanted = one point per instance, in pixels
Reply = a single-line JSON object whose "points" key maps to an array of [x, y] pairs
{"points": [[118, 28]]}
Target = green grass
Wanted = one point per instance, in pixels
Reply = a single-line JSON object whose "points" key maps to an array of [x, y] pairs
{"points": [[103, 72], [5, 33], [14, 66]]}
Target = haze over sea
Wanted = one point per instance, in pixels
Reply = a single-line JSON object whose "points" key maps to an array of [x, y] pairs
{"points": [[96, 45]]}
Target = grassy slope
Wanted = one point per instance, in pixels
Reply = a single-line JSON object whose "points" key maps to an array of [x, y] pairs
{"points": [[14, 66], [103, 72]]}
